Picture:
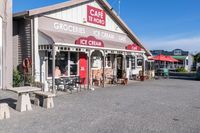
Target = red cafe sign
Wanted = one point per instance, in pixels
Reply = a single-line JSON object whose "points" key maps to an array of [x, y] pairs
{"points": [[89, 41], [96, 16], [133, 47]]}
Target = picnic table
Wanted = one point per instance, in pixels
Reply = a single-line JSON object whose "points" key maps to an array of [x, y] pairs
{"points": [[23, 101]]}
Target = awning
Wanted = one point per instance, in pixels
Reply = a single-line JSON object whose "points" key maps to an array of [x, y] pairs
{"points": [[180, 57], [49, 38]]}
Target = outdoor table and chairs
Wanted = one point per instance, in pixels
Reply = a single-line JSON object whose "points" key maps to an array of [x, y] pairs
{"points": [[69, 83], [23, 101], [79, 81], [114, 80]]}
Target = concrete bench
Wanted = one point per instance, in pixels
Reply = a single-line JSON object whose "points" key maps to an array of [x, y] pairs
{"points": [[23, 101], [44, 99], [4, 111]]}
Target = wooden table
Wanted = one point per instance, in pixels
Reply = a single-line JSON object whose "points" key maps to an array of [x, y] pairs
{"points": [[23, 101]]}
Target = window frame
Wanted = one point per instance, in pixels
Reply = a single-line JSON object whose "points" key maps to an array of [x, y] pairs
{"points": [[138, 59], [106, 61], [133, 62], [68, 63]]}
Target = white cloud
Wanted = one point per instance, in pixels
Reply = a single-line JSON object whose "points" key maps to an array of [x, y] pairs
{"points": [[187, 43]]}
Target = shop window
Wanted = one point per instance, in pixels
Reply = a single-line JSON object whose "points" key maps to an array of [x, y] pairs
{"points": [[127, 62], [186, 62], [73, 63], [133, 62], [139, 61], [96, 60], [61, 62], [108, 61]]}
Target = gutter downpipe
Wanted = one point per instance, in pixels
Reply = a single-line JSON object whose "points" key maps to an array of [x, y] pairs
{"points": [[32, 47]]}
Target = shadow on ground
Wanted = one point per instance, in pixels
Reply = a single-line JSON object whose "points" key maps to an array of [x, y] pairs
{"points": [[11, 102]]}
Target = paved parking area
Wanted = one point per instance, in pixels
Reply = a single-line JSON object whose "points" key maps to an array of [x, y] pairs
{"points": [[157, 106]]}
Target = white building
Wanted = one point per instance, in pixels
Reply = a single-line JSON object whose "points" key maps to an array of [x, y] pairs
{"points": [[86, 37]]}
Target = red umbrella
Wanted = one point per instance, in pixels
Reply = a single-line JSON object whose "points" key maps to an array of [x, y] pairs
{"points": [[161, 57], [171, 59]]}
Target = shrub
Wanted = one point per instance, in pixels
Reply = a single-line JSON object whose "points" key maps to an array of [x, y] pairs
{"points": [[181, 70], [17, 78]]}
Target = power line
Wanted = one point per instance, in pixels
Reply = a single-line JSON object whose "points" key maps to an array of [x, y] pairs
{"points": [[119, 5], [114, 2]]}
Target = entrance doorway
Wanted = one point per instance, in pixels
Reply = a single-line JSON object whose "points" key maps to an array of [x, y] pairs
{"points": [[83, 66], [119, 66]]}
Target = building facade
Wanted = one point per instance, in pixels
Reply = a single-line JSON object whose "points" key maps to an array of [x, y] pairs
{"points": [[184, 57], [80, 37], [6, 44]]}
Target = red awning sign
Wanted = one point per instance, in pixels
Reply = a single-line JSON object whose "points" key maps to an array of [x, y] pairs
{"points": [[133, 47], [89, 41]]}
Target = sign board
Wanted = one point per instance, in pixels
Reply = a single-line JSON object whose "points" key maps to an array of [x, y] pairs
{"points": [[89, 41], [54, 25], [133, 47], [96, 16]]}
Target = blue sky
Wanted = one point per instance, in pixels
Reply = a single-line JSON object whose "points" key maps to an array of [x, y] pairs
{"points": [[159, 24]]}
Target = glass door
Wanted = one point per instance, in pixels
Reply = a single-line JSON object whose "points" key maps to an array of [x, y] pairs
{"points": [[119, 66]]}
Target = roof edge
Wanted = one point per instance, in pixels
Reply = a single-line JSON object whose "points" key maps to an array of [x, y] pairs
{"points": [[56, 6], [20, 14]]}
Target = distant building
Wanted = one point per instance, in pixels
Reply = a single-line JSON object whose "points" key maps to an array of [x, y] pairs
{"points": [[184, 57]]}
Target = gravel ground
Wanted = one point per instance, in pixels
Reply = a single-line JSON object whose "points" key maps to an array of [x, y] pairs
{"points": [[157, 106]]}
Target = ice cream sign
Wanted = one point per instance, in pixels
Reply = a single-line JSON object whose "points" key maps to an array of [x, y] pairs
{"points": [[89, 41], [96, 16]]}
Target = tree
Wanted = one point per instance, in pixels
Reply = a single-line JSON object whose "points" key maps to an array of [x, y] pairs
{"points": [[197, 57]]}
